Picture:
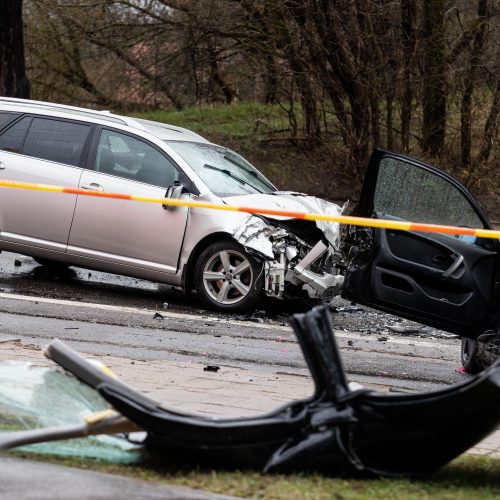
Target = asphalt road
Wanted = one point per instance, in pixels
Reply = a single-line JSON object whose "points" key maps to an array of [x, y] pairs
{"points": [[101, 314]]}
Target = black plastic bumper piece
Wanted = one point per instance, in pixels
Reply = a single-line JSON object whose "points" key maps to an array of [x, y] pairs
{"points": [[336, 431]]}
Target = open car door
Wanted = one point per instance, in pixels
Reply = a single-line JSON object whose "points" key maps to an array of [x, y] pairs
{"points": [[445, 281]]}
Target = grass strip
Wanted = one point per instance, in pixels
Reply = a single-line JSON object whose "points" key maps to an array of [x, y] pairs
{"points": [[467, 477]]}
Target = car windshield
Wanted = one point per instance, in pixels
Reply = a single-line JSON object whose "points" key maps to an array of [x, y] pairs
{"points": [[225, 172]]}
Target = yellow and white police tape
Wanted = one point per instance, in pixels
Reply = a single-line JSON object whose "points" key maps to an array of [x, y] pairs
{"points": [[341, 219]]}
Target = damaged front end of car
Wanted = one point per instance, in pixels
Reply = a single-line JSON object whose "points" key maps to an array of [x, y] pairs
{"points": [[301, 258]]}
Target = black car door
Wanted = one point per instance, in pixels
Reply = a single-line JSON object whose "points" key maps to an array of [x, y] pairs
{"points": [[441, 280]]}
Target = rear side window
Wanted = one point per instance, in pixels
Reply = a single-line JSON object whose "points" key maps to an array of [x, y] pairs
{"points": [[6, 118], [55, 140], [12, 139]]}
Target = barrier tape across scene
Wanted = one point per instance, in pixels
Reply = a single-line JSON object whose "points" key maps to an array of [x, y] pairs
{"points": [[341, 219]]}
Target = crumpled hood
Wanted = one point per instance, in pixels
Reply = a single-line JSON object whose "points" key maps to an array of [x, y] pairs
{"points": [[294, 202]]}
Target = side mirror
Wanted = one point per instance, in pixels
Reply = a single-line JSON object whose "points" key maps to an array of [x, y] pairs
{"points": [[174, 192]]}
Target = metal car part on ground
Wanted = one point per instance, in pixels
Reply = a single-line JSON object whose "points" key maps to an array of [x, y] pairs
{"points": [[338, 431]]}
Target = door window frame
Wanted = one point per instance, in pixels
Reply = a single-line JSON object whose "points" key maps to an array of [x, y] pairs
{"points": [[366, 208], [92, 156], [13, 124], [15, 116]]}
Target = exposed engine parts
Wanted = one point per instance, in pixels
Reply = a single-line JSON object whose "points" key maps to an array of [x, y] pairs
{"points": [[294, 265]]}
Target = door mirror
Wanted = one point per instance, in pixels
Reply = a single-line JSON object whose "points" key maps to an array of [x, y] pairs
{"points": [[174, 192]]}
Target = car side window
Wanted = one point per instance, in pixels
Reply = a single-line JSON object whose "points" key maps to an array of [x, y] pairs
{"points": [[125, 156], [55, 140], [12, 139], [6, 118], [412, 193]]}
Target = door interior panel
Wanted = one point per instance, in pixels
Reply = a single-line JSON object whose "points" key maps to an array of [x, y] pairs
{"points": [[440, 280], [410, 272]]}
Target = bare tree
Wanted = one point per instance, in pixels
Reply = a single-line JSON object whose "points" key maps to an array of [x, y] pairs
{"points": [[470, 81], [351, 74], [434, 79], [13, 80], [409, 41]]}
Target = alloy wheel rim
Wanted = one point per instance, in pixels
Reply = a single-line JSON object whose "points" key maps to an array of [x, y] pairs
{"points": [[227, 277]]}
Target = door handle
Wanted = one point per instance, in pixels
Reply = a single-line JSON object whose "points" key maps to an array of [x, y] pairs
{"points": [[456, 264], [2, 165], [93, 186]]}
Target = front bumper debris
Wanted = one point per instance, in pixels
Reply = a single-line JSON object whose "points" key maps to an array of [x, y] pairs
{"points": [[316, 285], [289, 260], [339, 430]]}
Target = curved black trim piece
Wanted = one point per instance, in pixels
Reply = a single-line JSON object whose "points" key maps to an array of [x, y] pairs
{"points": [[336, 431]]}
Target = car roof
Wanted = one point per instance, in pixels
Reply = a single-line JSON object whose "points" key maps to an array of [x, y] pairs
{"points": [[162, 131]]}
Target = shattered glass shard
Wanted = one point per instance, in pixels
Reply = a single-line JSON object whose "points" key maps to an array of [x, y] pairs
{"points": [[34, 397]]}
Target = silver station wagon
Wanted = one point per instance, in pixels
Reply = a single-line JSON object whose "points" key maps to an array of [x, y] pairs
{"points": [[229, 258]]}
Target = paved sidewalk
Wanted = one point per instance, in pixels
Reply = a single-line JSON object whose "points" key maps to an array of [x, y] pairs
{"points": [[229, 392]]}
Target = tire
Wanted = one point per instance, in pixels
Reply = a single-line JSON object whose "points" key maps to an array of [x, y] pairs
{"points": [[469, 356], [52, 265], [219, 286]]}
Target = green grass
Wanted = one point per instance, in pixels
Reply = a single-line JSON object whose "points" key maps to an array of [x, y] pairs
{"points": [[235, 120], [468, 477]]}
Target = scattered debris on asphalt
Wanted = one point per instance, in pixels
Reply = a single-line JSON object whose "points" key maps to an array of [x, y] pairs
{"points": [[345, 309], [410, 330], [211, 368], [4, 340]]}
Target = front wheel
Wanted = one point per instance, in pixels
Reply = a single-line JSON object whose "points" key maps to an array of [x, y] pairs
{"points": [[469, 356], [228, 278]]}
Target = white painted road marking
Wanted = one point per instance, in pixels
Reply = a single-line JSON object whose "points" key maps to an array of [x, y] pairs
{"points": [[193, 317]]}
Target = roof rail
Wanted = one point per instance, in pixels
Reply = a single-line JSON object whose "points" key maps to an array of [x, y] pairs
{"points": [[62, 108]]}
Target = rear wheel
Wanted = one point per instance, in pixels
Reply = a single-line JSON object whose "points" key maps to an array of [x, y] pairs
{"points": [[228, 278], [469, 356]]}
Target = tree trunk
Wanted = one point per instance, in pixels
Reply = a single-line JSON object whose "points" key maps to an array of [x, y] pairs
{"points": [[390, 122], [375, 119], [216, 76], [408, 21], [434, 94], [270, 78], [491, 126], [466, 109], [13, 80]]}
